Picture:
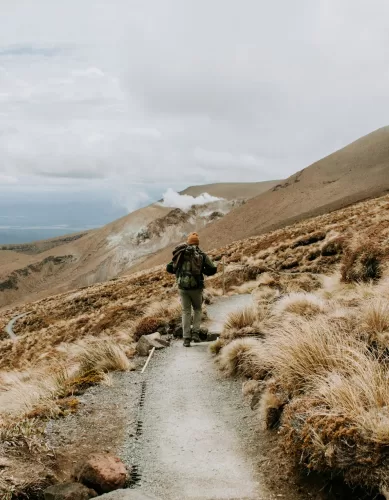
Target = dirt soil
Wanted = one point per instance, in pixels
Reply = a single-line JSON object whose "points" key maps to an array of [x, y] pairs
{"points": [[107, 417]]}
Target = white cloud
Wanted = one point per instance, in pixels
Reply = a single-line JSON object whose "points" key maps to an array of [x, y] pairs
{"points": [[160, 93], [172, 199]]}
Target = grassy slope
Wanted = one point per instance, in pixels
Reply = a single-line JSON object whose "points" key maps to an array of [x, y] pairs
{"points": [[357, 172], [293, 259]]}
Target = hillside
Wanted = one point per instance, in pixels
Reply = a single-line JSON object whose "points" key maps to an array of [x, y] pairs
{"points": [[231, 190], [354, 173], [313, 281], [60, 264]]}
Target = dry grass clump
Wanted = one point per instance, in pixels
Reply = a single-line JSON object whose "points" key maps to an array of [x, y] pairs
{"points": [[147, 325], [103, 356], [304, 349], [233, 358], [333, 246], [302, 304], [248, 321], [376, 317], [241, 318], [343, 425], [362, 263], [272, 404], [216, 346]]}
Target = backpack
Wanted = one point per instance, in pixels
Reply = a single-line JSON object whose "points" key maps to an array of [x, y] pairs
{"points": [[189, 274]]}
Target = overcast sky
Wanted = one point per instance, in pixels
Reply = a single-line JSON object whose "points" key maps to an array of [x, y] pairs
{"points": [[131, 97]]}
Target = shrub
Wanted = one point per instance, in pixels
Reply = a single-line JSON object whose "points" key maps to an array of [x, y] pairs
{"points": [[147, 325], [362, 263]]}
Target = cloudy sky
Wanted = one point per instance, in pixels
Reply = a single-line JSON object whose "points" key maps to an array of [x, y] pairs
{"points": [[118, 100]]}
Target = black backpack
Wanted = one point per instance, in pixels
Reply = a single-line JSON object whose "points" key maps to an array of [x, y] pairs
{"points": [[190, 271]]}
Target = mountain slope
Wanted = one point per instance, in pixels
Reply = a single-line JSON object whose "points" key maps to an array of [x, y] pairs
{"points": [[354, 173], [80, 260]]}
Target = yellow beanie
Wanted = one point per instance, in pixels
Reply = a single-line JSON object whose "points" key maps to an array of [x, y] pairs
{"points": [[193, 239]]}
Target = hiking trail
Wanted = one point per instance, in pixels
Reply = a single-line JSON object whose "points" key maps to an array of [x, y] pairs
{"points": [[195, 432], [9, 327]]}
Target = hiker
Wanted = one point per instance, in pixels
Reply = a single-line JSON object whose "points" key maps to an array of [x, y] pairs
{"points": [[189, 264]]}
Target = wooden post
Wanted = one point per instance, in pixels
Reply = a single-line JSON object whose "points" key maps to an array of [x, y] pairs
{"points": [[148, 359], [224, 274]]}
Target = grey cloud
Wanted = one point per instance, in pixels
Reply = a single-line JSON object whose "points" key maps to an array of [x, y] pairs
{"points": [[185, 91]]}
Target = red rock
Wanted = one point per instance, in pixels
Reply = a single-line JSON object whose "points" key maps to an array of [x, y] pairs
{"points": [[103, 473]]}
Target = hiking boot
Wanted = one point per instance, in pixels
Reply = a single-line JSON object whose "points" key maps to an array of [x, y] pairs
{"points": [[186, 342], [196, 337]]}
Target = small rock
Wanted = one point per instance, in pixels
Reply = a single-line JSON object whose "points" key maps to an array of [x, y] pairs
{"points": [[127, 495], [69, 491], [147, 342], [103, 473]]}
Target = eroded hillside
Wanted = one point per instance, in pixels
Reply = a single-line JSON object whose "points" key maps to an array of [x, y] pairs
{"points": [[43, 268]]}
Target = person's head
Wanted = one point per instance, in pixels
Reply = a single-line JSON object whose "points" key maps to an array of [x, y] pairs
{"points": [[193, 239]]}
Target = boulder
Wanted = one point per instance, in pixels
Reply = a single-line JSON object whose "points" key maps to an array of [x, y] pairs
{"points": [[103, 473], [147, 342], [127, 495], [69, 491]]}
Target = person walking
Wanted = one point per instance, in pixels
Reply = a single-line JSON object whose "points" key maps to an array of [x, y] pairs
{"points": [[190, 264]]}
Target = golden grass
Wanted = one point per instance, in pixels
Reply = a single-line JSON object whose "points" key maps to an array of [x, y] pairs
{"points": [[216, 346], [237, 320], [306, 348], [302, 304], [103, 356], [318, 376], [363, 396], [231, 358], [375, 319]]}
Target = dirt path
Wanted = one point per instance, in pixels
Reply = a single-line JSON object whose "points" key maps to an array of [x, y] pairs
{"points": [[196, 433], [9, 327]]}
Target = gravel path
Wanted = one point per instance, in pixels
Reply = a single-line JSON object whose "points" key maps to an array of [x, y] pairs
{"points": [[9, 327], [196, 433]]}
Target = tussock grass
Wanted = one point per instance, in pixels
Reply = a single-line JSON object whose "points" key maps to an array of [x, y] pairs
{"points": [[304, 348], [302, 304], [375, 318], [237, 320], [362, 263], [233, 357], [103, 356], [216, 346]]}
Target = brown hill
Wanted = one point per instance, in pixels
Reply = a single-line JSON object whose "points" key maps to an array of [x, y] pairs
{"points": [[231, 190], [57, 265], [357, 172]]}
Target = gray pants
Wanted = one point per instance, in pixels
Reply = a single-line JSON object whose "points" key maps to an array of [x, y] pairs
{"points": [[189, 299]]}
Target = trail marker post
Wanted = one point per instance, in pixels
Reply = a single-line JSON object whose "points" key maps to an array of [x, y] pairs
{"points": [[224, 274]]}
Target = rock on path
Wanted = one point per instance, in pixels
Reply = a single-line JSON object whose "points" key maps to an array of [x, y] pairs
{"points": [[196, 441]]}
